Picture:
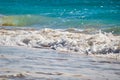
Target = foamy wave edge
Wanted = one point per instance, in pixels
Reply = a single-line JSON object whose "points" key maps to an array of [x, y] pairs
{"points": [[70, 40]]}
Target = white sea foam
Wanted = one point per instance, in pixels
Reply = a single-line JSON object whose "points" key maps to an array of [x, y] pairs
{"points": [[62, 40]]}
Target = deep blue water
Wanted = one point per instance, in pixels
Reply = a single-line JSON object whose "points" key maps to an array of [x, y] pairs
{"points": [[61, 13]]}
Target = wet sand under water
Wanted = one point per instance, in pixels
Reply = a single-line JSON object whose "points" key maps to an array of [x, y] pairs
{"points": [[20, 63]]}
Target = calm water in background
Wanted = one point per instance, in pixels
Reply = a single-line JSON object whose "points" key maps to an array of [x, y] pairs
{"points": [[62, 13]]}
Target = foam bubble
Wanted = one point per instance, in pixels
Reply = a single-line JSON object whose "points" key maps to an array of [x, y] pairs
{"points": [[63, 40]]}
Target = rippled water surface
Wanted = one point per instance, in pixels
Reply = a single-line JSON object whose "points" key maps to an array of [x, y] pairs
{"points": [[41, 64], [61, 14]]}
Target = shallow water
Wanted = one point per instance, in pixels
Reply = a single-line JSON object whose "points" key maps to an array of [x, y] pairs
{"points": [[40, 64]]}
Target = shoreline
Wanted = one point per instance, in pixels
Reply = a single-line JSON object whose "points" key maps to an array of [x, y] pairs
{"points": [[109, 56], [31, 63]]}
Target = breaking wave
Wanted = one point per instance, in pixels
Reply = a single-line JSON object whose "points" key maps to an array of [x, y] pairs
{"points": [[72, 40]]}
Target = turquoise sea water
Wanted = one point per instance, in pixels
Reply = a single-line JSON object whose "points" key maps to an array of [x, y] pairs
{"points": [[61, 13]]}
